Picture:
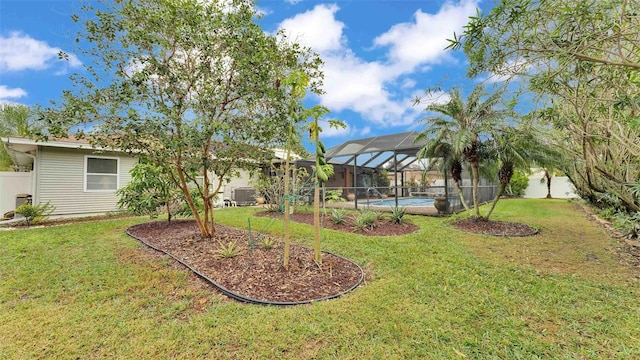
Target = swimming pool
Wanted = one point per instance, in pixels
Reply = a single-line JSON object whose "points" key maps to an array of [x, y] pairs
{"points": [[408, 201]]}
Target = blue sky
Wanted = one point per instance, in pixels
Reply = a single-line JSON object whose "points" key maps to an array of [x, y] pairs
{"points": [[379, 55]]}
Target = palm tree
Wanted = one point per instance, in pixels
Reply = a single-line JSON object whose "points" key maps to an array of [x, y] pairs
{"points": [[447, 159], [461, 127], [517, 148], [14, 121], [548, 174]]}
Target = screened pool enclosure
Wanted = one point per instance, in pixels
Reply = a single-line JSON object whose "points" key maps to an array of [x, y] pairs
{"points": [[384, 171]]}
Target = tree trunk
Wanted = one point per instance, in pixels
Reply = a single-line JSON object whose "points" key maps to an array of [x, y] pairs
{"points": [[461, 195], [286, 197], [456, 175], [505, 174], [548, 177], [316, 221], [496, 199], [476, 184], [185, 191], [208, 210]]}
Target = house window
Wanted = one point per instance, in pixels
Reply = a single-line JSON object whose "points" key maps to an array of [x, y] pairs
{"points": [[101, 173]]}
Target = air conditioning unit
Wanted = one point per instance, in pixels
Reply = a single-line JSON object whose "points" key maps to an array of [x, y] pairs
{"points": [[23, 199], [244, 196]]}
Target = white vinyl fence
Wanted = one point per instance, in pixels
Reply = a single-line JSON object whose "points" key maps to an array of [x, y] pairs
{"points": [[12, 184], [561, 187]]}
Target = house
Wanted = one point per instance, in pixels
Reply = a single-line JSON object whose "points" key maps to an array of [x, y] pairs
{"points": [[74, 176], [77, 178]]}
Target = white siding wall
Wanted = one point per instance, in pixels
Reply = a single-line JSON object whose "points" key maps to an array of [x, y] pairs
{"points": [[243, 181], [11, 184], [61, 180]]}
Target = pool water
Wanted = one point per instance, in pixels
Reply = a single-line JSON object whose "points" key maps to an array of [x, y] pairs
{"points": [[410, 201]]}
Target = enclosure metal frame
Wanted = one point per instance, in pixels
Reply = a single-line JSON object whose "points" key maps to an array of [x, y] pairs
{"points": [[404, 145]]}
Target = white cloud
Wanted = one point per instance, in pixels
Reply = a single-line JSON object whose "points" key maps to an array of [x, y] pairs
{"points": [[408, 84], [364, 131], [347, 132], [292, 2], [14, 93], [316, 28], [328, 131], [19, 52], [7, 95], [432, 97], [423, 40], [377, 90]]}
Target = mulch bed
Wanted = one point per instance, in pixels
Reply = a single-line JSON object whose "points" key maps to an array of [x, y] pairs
{"points": [[382, 227], [494, 228], [256, 273]]}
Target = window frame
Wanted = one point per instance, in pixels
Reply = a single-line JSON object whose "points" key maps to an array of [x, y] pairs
{"points": [[85, 173]]}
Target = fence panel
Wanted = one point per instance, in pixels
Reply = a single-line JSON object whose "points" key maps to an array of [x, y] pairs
{"points": [[12, 184]]}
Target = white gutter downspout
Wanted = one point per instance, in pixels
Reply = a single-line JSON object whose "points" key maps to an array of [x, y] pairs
{"points": [[35, 197]]}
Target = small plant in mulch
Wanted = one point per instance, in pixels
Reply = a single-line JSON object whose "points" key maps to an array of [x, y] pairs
{"points": [[397, 215], [268, 243], [366, 220], [338, 216], [228, 251], [383, 226]]}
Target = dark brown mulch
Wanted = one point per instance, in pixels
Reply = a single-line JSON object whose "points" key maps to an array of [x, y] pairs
{"points": [[382, 227], [494, 228], [255, 274]]}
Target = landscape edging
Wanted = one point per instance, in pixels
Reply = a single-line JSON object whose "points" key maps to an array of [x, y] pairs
{"points": [[249, 300]]}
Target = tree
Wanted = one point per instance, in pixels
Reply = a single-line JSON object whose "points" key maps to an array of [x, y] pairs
{"points": [[459, 129], [14, 121], [546, 178], [297, 83], [322, 171], [582, 60], [194, 86], [441, 153], [516, 149]]}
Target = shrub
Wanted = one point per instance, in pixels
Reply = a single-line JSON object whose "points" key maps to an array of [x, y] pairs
{"points": [[35, 214], [518, 184], [628, 224], [149, 192], [333, 196], [338, 216]]}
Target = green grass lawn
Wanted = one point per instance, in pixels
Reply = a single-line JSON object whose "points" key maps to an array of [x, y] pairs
{"points": [[87, 290]]}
